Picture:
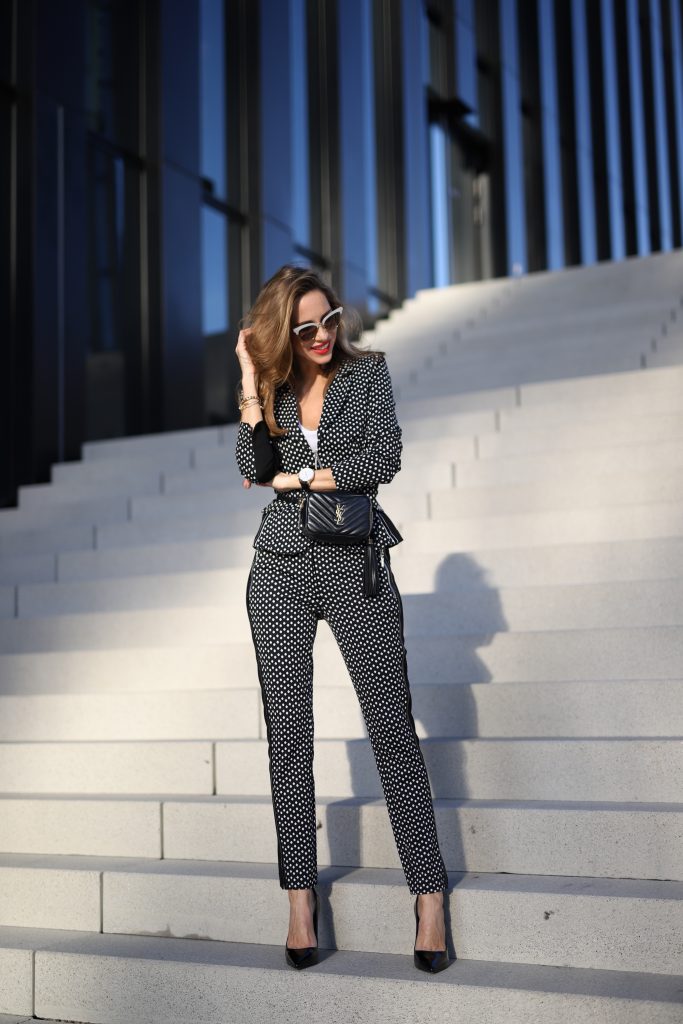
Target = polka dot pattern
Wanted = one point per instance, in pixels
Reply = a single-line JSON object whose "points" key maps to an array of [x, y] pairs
{"points": [[286, 597], [358, 438], [293, 583]]}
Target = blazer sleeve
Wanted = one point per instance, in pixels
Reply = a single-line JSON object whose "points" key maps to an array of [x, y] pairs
{"points": [[380, 458], [254, 453]]}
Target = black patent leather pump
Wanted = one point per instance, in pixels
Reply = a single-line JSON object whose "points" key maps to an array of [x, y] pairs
{"points": [[430, 960], [307, 956]]}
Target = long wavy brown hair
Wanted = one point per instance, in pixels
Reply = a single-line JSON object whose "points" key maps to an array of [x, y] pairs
{"points": [[271, 340]]}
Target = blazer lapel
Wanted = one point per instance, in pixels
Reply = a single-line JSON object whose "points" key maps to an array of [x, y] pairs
{"points": [[336, 395], [295, 444]]}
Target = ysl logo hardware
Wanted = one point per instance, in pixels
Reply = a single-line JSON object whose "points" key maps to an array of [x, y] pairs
{"points": [[339, 514]]}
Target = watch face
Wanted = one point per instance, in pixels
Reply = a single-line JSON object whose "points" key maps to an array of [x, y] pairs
{"points": [[306, 475]]}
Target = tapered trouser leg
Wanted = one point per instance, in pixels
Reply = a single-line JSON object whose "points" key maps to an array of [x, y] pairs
{"points": [[283, 626], [285, 599], [370, 634]]}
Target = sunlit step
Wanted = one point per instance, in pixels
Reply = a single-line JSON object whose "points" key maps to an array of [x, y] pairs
{"points": [[366, 909], [208, 608], [550, 655], [610, 840], [516, 710], [81, 975]]}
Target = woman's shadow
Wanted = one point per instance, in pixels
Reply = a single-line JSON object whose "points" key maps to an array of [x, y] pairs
{"points": [[446, 633]]}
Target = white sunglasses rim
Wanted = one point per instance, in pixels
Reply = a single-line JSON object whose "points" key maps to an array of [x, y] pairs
{"points": [[312, 323]]}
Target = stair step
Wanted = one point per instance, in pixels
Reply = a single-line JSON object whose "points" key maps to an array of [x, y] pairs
{"points": [[522, 439], [427, 494], [649, 520], [46, 540], [487, 769], [121, 979], [496, 372], [440, 710], [631, 653], [522, 566], [419, 492], [572, 491], [168, 441], [609, 923], [624, 460], [555, 526], [454, 609], [610, 840], [632, 769], [648, 386], [51, 513], [617, 383], [640, 404]]}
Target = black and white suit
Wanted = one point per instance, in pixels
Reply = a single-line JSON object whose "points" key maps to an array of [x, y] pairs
{"points": [[294, 582]]}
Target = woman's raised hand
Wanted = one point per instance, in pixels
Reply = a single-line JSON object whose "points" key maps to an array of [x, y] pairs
{"points": [[243, 355]]}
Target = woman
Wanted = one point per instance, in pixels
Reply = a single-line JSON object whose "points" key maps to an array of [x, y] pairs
{"points": [[318, 413]]}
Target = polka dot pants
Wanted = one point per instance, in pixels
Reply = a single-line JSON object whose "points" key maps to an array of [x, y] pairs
{"points": [[286, 596]]}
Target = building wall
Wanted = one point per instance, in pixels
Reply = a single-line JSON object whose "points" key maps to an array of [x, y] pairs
{"points": [[159, 159]]}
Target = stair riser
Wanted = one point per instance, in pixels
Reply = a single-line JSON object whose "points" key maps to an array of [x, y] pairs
{"points": [[117, 990], [640, 770], [565, 655], [419, 493], [572, 840], [580, 526], [516, 710], [416, 573], [571, 492], [588, 931], [454, 611], [591, 769]]}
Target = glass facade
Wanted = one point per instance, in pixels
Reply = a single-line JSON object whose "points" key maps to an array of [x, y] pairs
{"points": [[159, 161]]}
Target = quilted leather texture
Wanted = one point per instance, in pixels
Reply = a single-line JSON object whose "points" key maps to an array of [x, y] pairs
{"points": [[337, 516]]}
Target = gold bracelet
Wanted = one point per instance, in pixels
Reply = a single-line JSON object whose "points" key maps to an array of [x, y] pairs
{"points": [[249, 402]]}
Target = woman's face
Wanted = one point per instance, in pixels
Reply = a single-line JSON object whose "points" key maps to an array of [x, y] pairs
{"points": [[312, 307]]}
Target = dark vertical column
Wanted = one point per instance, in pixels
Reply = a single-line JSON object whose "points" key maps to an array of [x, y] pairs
{"points": [[598, 133], [532, 142], [612, 100], [59, 261], [275, 136], [183, 352], [354, 156], [663, 139], [389, 150], [490, 96], [639, 155], [566, 106], [550, 130], [673, 76], [244, 153], [74, 276], [11, 395], [583, 152], [625, 129], [513, 155], [415, 153], [151, 311], [655, 197]]}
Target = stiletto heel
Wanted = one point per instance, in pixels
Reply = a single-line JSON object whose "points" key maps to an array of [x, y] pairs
{"points": [[307, 956], [431, 960]]}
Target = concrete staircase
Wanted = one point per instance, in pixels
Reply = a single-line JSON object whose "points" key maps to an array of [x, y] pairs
{"points": [[541, 501]]}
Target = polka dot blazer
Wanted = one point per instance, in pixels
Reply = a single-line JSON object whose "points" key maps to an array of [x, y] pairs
{"points": [[358, 438]]}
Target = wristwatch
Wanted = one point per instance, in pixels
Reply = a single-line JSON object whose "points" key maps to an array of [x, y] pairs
{"points": [[305, 476]]}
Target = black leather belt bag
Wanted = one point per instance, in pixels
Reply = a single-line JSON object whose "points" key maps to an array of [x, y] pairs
{"points": [[342, 517]]}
